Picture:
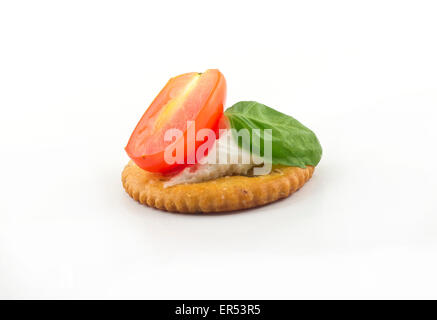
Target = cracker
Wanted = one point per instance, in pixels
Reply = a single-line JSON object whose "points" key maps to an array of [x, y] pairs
{"points": [[218, 195]]}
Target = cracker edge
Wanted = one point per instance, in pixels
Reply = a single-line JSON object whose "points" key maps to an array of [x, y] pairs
{"points": [[219, 195]]}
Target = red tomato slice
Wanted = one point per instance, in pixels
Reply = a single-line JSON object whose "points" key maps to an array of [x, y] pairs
{"points": [[197, 97]]}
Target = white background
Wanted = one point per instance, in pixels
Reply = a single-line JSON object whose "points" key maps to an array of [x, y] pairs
{"points": [[75, 76]]}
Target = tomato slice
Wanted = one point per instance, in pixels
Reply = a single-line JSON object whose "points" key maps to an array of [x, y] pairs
{"points": [[197, 97]]}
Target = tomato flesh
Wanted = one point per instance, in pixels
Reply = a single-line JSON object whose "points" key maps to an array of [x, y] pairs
{"points": [[187, 97]]}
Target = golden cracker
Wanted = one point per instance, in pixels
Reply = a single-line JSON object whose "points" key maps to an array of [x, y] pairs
{"points": [[218, 195]]}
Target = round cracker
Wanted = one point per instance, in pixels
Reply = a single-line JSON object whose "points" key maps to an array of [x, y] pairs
{"points": [[219, 195]]}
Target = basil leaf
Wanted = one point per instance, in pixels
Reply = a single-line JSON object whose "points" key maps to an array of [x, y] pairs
{"points": [[293, 144]]}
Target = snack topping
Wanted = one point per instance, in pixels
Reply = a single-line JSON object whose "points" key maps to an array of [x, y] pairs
{"points": [[186, 135], [189, 98]]}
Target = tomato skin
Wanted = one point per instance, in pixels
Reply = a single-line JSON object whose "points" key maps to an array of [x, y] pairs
{"points": [[223, 123], [173, 106]]}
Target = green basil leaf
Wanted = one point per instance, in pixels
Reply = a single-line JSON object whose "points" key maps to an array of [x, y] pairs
{"points": [[293, 144]]}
